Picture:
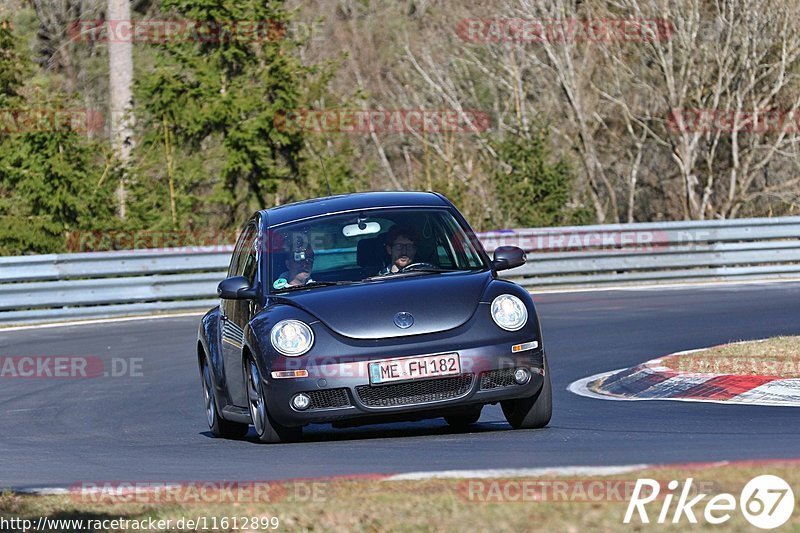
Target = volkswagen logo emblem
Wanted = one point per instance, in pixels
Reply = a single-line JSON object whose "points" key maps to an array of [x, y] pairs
{"points": [[403, 320]]}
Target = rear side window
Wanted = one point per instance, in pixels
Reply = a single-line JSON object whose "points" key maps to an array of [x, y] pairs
{"points": [[244, 251]]}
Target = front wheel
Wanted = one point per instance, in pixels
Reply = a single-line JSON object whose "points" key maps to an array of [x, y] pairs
{"points": [[266, 428], [219, 426], [534, 411]]}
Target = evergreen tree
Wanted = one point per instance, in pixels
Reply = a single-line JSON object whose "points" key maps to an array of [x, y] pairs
{"points": [[49, 173], [11, 67], [532, 190], [221, 101]]}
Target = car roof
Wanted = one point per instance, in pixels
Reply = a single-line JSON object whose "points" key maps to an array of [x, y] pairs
{"points": [[347, 202]]}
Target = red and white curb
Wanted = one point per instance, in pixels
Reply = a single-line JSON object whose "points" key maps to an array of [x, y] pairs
{"points": [[654, 381]]}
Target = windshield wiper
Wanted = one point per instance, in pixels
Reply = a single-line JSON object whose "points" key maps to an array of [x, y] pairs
{"points": [[435, 269], [312, 285]]}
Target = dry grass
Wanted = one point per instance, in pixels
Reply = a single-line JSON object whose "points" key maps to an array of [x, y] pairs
{"points": [[777, 357], [431, 505]]}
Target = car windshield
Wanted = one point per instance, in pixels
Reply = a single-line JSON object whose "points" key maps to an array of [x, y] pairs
{"points": [[369, 245]]}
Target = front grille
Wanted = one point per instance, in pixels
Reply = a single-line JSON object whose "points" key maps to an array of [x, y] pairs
{"points": [[414, 392], [328, 399], [496, 379]]}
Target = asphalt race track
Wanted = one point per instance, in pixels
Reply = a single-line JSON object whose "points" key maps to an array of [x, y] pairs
{"points": [[55, 432]]}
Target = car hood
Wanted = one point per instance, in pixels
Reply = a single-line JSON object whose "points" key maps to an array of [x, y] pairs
{"points": [[437, 302]]}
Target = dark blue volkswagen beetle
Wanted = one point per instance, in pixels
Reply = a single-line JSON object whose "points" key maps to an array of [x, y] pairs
{"points": [[367, 308]]}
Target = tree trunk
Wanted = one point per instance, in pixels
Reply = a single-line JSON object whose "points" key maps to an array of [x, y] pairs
{"points": [[120, 77]]}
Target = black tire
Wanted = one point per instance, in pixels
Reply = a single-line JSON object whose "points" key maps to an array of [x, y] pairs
{"points": [[267, 430], [532, 412], [219, 427], [465, 419]]}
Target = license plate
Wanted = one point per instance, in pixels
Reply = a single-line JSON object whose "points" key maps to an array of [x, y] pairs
{"points": [[408, 368]]}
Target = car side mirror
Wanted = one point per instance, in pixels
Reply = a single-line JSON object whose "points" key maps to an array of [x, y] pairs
{"points": [[506, 257], [236, 288]]}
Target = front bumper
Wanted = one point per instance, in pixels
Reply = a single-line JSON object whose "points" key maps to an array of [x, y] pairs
{"points": [[340, 390]]}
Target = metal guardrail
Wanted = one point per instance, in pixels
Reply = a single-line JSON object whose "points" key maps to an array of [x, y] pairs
{"points": [[103, 284], [669, 252], [54, 287]]}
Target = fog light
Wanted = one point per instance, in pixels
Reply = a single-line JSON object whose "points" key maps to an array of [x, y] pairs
{"points": [[521, 376], [301, 402]]}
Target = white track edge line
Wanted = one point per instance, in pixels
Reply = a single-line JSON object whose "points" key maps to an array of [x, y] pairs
{"points": [[520, 472]]}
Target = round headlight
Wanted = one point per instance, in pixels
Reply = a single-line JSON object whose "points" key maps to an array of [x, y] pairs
{"points": [[509, 312], [291, 337]]}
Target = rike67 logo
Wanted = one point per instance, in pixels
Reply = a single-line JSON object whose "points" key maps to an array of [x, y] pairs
{"points": [[766, 502]]}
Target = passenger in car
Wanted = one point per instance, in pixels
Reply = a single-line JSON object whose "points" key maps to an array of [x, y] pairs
{"points": [[401, 247], [300, 263]]}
